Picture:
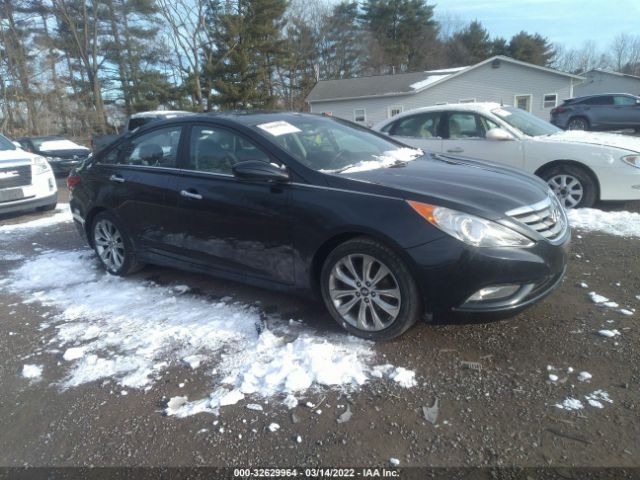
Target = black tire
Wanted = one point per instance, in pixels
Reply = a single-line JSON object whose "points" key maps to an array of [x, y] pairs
{"points": [[48, 208], [129, 263], [578, 123], [588, 184], [408, 306]]}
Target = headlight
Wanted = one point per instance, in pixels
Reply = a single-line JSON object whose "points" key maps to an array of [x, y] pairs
{"points": [[40, 165], [633, 160], [470, 229]]}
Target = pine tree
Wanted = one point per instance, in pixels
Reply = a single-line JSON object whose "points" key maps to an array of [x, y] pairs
{"points": [[531, 48], [402, 34], [247, 38]]}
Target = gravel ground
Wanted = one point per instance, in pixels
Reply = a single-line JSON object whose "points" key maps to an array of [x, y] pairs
{"points": [[498, 410]]}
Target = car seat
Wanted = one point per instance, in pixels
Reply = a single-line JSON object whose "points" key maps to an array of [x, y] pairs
{"points": [[151, 154]]}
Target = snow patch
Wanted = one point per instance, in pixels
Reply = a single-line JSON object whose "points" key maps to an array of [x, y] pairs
{"points": [[387, 159], [131, 330], [584, 376], [32, 371], [621, 224], [62, 214], [570, 404], [608, 333]]}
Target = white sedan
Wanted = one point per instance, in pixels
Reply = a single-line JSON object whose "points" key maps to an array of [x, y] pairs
{"points": [[580, 167]]}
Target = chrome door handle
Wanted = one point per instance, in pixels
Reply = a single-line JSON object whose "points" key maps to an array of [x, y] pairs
{"points": [[116, 178], [456, 150], [188, 194]]}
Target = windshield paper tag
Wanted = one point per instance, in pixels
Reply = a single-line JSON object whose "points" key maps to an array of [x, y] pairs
{"points": [[278, 128]]}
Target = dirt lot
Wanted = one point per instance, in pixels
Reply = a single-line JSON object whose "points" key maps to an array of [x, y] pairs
{"points": [[503, 412]]}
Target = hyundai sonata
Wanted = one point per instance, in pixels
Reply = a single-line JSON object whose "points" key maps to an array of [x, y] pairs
{"points": [[306, 203]]}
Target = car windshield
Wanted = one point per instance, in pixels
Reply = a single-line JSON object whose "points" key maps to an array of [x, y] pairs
{"points": [[6, 144], [332, 146], [525, 122]]}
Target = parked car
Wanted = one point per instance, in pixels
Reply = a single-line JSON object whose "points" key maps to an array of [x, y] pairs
{"points": [[614, 111], [580, 167], [98, 142], [26, 180], [305, 203], [63, 155]]}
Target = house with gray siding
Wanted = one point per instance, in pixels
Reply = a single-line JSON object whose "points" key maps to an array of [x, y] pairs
{"points": [[369, 100], [606, 81]]}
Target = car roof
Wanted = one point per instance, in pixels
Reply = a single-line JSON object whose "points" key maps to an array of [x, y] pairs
{"points": [[595, 95], [159, 113], [42, 137]]}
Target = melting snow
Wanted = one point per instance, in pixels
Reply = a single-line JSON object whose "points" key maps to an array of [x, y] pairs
{"points": [[622, 224], [132, 330], [608, 333], [584, 376], [32, 371], [62, 214], [570, 404], [387, 159]]}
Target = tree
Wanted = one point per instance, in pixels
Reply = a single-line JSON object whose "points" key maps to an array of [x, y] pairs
{"points": [[402, 34], [531, 48], [470, 45], [342, 50], [247, 45]]}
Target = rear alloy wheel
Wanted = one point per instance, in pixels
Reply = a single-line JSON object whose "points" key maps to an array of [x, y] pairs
{"points": [[113, 247], [573, 187], [368, 290], [578, 123]]}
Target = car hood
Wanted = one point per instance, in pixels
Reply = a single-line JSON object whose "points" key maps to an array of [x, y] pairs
{"points": [[12, 157], [616, 140], [463, 184]]}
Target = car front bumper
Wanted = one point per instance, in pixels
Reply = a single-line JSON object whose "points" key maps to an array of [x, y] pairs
{"points": [[449, 273], [42, 192]]}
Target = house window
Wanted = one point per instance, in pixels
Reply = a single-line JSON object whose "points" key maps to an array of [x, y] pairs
{"points": [[394, 110], [550, 100], [467, 100], [360, 115], [523, 102]]}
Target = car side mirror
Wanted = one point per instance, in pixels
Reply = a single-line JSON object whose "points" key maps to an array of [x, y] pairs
{"points": [[498, 134], [259, 170]]}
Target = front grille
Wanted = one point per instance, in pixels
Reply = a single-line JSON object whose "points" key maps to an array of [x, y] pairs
{"points": [[546, 218], [15, 176]]}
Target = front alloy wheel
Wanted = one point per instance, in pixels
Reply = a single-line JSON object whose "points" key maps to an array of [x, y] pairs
{"points": [[369, 290], [365, 292]]}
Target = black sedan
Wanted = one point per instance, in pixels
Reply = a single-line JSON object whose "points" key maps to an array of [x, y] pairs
{"points": [[305, 203], [62, 154]]}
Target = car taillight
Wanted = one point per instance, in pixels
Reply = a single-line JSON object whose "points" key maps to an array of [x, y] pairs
{"points": [[558, 110], [72, 181]]}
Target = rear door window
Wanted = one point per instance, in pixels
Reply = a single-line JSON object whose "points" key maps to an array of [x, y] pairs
{"points": [[599, 100], [421, 125], [158, 148]]}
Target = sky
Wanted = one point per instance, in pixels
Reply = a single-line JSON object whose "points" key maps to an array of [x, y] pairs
{"points": [[568, 22]]}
